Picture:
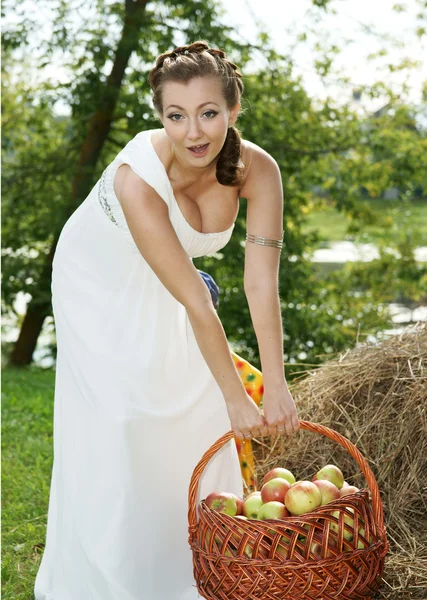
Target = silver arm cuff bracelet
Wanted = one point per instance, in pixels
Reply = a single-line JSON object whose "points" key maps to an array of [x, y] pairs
{"points": [[262, 241]]}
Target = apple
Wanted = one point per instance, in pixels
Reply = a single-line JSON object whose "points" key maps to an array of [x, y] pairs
{"points": [[237, 536], [275, 490], [328, 490], [282, 548], [360, 543], [348, 535], [223, 502], [348, 489], [303, 497], [345, 483], [242, 517], [279, 472], [316, 548], [330, 473], [216, 544], [272, 510], [239, 506], [252, 504], [257, 493]]}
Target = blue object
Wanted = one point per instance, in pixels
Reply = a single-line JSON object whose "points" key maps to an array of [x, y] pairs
{"points": [[212, 286]]}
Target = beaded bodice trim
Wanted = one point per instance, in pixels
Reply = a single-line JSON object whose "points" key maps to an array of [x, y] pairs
{"points": [[140, 154], [102, 197]]}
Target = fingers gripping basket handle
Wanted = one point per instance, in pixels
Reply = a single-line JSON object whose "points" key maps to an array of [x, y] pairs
{"points": [[315, 428]]}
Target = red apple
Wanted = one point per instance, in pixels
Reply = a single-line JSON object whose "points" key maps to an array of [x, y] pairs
{"points": [[239, 506], [272, 510], [328, 490], [302, 497], [316, 548], [252, 504], [275, 490], [223, 502], [330, 473], [279, 472], [348, 489]]}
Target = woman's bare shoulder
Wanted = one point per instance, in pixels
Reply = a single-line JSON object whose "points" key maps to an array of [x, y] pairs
{"points": [[254, 158], [161, 144]]}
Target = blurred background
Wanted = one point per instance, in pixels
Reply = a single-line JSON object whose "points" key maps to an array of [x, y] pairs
{"points": [[336, 91]]}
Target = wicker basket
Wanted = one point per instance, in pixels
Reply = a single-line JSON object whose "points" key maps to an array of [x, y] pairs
{"points": [[335, 552]]}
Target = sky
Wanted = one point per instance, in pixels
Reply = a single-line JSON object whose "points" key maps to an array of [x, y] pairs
{"points": [[286, 19]]}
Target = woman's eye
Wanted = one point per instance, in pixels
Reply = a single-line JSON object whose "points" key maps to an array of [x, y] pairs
{"points": [[209, 114]]}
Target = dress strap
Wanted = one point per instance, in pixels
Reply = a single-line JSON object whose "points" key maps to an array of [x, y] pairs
{"points": [[138, 155]]}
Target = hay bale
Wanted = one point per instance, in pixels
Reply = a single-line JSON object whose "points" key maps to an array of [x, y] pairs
{"points": [[375, 395]]}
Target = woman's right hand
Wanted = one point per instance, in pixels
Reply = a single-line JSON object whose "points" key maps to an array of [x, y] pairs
{"points": [[245, 417]]}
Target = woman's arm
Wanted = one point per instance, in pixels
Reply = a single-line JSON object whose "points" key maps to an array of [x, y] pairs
{"points": [[147, 216], [264, 194]]}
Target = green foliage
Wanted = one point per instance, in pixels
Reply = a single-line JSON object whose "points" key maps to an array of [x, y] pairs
{"points": [[39, 157], [331, 150], [329, 155]]}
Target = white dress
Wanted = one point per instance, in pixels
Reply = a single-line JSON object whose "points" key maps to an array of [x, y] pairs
{"points": [[136, 406]]}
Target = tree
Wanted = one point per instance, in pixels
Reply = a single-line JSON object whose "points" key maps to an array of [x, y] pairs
{"points": [[326, 152], [99, 103]]}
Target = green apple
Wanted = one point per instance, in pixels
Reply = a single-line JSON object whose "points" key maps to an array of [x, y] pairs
{"points": [[360, 543], [302, 498], [279, 472], [252, 504], [272, 510], [328, 490], [331, 473], [347, 519]]}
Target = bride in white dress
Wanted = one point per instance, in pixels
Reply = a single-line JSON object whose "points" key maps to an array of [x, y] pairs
{"points": [[145, 381]]}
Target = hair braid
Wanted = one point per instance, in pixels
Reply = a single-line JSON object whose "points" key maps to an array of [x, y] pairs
{"points": [[199, 60]]}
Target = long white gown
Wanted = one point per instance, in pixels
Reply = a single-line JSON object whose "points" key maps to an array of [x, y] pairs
{"points": [[136, 406]]}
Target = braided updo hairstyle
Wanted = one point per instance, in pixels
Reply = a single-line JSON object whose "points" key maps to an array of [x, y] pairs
{"points": [[198, 60]]}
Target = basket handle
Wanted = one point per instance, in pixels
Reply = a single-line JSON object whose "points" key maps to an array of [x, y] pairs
{"points": [[314, 427]]}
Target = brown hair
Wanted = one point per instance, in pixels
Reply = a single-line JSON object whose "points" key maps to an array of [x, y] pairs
{"points": [[198, 60]]}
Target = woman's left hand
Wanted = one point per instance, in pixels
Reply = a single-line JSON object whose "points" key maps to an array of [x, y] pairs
{"points": [[280, 414]]}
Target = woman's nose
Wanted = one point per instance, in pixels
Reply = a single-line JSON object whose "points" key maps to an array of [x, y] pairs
{"points": [[194, 130]]}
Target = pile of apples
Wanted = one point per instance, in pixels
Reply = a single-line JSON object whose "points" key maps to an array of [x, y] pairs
{"points": [[282, 496]]}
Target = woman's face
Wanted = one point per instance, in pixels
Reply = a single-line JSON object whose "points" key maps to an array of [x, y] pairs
{"points": [[196, 114]]}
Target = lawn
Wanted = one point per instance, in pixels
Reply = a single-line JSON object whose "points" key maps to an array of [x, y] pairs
{"points": [[27, 458], [332, 225]]}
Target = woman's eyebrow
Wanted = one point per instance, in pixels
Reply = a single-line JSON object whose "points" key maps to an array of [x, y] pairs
{"points": [[200, 106]]}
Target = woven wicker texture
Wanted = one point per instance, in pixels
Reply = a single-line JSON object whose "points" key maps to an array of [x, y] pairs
{"points": [[334, 552]]}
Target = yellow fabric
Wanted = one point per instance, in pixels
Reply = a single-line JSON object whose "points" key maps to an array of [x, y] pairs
{"points": [[252, 380]]}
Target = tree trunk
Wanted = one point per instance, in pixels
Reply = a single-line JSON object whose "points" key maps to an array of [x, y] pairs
{"points": [[97, 132]]}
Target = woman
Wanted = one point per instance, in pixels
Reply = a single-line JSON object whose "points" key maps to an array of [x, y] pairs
{"points": [[145, 381]]}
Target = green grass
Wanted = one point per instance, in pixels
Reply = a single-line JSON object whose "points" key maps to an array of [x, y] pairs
{"points": [[27, 458], [332, 225]]}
